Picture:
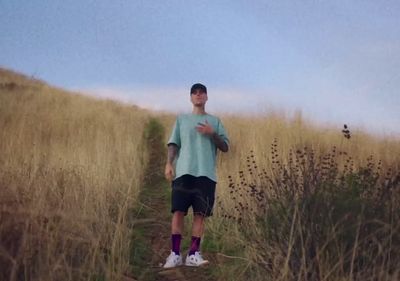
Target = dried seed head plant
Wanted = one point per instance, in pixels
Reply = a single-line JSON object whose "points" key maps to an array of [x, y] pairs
{"points": [[306, 210]]}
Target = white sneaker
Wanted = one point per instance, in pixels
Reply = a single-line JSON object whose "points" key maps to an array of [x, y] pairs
{"points": [[195, 260], [173, 260]]}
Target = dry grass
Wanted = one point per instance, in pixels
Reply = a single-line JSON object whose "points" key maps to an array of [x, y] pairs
{"points": [[307, 203], [299, 202], [70, 169]]}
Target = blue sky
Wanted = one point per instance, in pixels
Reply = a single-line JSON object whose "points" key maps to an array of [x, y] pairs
{"points": [[336, 61]]}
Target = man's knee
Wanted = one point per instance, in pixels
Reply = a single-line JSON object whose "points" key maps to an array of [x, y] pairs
{"points": [[199, 218], [179, 214]]}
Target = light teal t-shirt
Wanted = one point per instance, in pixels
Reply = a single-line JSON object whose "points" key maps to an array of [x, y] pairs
{"points": [[197, 152]]}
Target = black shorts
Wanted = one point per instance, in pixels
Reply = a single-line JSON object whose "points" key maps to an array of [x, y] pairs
{"points": [[198, 192]]}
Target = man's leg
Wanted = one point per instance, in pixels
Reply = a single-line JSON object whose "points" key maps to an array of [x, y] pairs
{"points": [[180, 202], [177, 222], [197, 233], [202, 208], [194, 258], [198, 225], [176, 231]]}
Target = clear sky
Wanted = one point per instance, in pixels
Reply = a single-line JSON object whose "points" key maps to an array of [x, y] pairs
{"points": [[336, 61]]}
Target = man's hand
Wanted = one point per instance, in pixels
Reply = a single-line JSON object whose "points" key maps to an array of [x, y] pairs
{"points": [[205, 129], [169, 171]]}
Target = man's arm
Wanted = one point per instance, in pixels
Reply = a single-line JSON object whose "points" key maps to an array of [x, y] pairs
{"points": [[207, 129], [169, 167], [219, 142], [172, 152]]}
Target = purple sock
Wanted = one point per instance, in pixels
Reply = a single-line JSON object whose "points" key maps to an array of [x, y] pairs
{"points": [[195, 246], [176, 243]]}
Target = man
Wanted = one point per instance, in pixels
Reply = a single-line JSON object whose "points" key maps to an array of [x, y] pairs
{"points": [[192, 149]]}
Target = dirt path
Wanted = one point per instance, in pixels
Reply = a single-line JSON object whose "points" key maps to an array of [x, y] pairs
{"points": [[151, 244]]}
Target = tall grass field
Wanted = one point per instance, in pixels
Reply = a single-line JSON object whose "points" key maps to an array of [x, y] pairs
{"points": [[70, 169], [301, 202], [295, 201]]}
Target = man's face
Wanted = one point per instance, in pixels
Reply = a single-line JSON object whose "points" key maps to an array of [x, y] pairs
{"points": [[198, 97]]}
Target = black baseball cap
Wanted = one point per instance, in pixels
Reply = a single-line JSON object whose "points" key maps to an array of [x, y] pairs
{"points": [[198, 86]]}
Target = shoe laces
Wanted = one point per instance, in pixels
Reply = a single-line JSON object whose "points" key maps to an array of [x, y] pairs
{"points": [[197, 255]]}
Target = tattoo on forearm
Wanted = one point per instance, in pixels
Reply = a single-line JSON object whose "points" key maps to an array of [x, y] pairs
{"points": [[172, 151], [219, 142]]}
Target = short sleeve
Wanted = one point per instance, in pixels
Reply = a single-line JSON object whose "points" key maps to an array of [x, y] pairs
{"points": [[221, 132], [175, 135]]}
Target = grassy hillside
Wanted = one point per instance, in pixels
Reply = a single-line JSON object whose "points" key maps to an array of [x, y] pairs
{"points": [[301, 202], [70, 167], [298, 201], [295, 201]]}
